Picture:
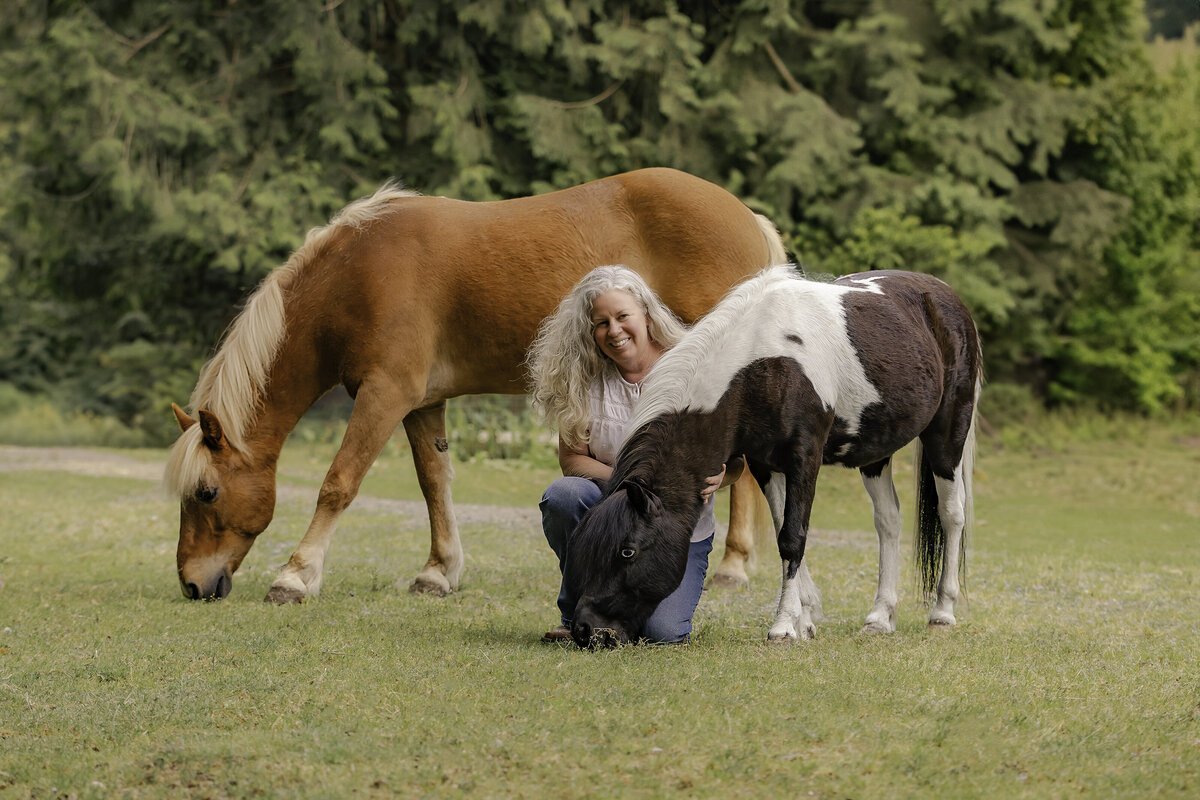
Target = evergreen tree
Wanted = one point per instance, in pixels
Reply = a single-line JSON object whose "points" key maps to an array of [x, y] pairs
{"points": [[157, 159]]}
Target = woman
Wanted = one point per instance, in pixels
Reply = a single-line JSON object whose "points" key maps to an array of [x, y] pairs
{"points": [[587, 365]]}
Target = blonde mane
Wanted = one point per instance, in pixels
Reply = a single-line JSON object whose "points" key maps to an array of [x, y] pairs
{"points": [[232, 383]]}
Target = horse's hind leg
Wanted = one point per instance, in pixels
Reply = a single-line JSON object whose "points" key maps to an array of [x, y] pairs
{"points": [[745, 502], [952, 511], [799, 600], [378, 408], [426, 429], [877, 479]]}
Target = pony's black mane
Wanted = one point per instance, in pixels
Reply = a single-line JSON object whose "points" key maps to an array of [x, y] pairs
{"points": [[656, 457]]}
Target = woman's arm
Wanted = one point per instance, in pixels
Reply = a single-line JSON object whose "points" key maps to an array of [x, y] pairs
{"points": [[729, 474], [576, 461]]}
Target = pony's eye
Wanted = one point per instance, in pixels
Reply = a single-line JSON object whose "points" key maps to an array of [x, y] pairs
{"points": [[207, 494], [628, 552]]}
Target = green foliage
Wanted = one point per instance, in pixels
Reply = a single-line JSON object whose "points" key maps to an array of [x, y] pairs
{"points": [[498, 427], [156, 160]]}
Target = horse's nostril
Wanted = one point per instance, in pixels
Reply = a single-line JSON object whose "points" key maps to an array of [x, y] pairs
{"points": [[192, 591], [224, 586]]}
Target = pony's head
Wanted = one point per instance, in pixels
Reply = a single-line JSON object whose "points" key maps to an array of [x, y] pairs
{"points": [[626, 556], [225, 500]]}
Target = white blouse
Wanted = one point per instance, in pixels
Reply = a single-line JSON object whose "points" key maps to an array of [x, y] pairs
{"points": [[613, 398]]}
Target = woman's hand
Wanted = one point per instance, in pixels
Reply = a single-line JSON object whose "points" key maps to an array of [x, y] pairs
{"points": [[712, 484]]}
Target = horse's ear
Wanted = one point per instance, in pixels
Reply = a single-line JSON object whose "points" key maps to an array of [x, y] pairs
{"points": [[182, 418], [642, 500], [210, 428]]}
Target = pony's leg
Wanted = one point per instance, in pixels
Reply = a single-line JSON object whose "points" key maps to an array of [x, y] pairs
{"points": [[426, 429], [745, 500], [952, 511], [799, 600], [378, 409], [882, 491]]}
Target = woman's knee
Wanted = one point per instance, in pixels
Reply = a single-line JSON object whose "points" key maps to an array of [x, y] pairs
{"points": [[667, 631], [569, 496]]}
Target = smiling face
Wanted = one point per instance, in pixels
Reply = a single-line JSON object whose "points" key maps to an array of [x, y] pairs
{"points": [[621, 330]]}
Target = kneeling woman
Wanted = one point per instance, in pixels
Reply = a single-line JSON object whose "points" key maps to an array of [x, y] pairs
{"points": [[587, 366]]}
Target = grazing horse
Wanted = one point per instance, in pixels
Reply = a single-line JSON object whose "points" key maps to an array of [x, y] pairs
{"points": [[406, 301], [794, 374]]}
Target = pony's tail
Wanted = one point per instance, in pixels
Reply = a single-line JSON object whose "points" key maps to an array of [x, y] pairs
{"points": [[777, 252], [929, 535], [929, 538]]}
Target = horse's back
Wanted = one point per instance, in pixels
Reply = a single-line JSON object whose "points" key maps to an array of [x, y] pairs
{"points": [[463, 285]]}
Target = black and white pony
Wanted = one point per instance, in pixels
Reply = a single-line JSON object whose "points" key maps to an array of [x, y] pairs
{"points": [[793, 374]]}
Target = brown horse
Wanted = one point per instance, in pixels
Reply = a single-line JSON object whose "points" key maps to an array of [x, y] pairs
{"points": [[406, 301]]}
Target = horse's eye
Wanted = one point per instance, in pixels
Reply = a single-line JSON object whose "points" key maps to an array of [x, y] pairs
{"points": [[628, 552], [207, 494]]}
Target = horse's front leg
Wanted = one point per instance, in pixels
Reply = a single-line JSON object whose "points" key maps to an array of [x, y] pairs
{"points": [[799, 600], [877, 479], [426, 429], [745, 501], [378, 408]]}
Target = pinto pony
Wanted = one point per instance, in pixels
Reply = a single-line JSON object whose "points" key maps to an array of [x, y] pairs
{"points": [[406, 301], [794, 374]]}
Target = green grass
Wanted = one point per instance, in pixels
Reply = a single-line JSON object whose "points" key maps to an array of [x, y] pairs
{"points": [[1072, 672]]}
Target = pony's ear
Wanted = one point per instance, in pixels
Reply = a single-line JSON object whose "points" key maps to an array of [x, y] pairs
{"points": [[210, 428], [642, 500], [182, 418]]}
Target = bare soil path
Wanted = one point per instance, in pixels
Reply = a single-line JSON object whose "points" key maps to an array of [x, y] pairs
{"points": [[98, 463]]}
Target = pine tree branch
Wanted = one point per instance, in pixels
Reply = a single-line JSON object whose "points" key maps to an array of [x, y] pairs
{"points": [[135, 47], [592, 101], [792, 83]]}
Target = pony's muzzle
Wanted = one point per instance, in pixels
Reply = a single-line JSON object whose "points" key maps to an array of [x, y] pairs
{"points": [[214, 590], [591, 638]]}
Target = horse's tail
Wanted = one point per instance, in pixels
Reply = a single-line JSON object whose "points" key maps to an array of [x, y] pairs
{"points": [[929, 536], [778, 253]]}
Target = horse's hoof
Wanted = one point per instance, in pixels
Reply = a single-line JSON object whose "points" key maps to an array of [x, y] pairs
{"points": [[941, 623], [726, 582], [875, 627], [422, 584], [284, 595], [808, 633], [786, 637]]}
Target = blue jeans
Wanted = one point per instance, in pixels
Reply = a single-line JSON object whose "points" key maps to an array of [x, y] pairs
{"points": [[564, 504]]}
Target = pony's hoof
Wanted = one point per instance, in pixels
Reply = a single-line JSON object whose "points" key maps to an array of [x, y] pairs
{"points": [[424, 584], [781, 639], [284, 595], [942, 623], [808, 632], [875, 628], [726, 582]]}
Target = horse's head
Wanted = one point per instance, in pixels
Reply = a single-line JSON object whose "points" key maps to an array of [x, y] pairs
{"points": [[226, 500], [626, 556]]}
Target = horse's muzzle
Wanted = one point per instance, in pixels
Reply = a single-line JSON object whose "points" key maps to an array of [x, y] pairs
{"points": [[591, 637], [214, 590]]}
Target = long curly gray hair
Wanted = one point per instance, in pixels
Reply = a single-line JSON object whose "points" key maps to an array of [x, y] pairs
{"points": [[564, 362]]}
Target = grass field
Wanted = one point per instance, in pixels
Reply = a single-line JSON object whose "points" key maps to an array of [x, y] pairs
{"points": [[1073, 671]]}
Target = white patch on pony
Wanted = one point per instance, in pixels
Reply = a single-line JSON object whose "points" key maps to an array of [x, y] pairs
{"points": [[886, 507], [775, 314], [951, 508]]}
